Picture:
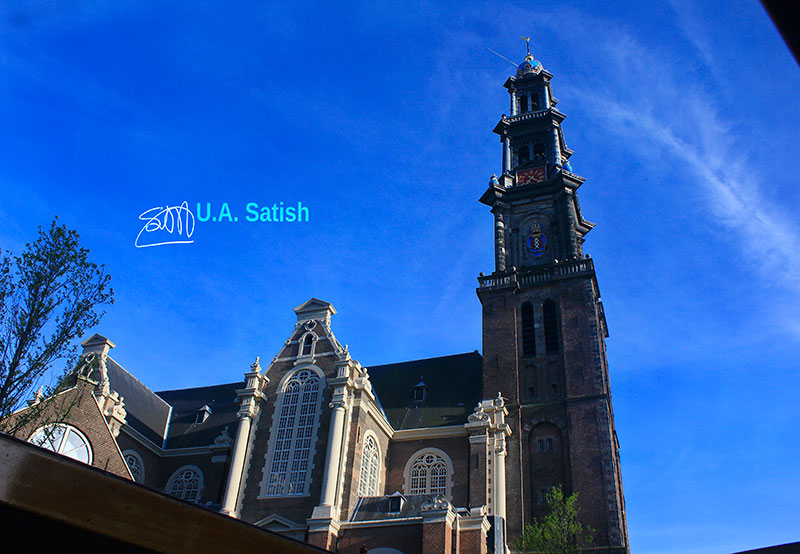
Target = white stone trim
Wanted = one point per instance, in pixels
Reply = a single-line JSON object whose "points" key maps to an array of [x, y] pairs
{"points": [[301, 357], [381, 522], [164, 452], [430, 433], [287, 523]]}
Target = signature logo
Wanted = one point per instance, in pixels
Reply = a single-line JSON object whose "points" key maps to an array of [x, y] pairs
{"points": [[166, 222]]}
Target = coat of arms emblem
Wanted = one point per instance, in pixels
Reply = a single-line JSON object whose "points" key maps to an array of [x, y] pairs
{"points": [[537, 241]]}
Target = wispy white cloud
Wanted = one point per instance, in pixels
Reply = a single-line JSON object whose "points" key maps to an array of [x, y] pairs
{"points": [[678, 122]]}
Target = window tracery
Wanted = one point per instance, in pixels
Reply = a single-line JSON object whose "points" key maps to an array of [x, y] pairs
{"points": [[135, 464], [368, 481], [186, 483], [297, 417], [430, 472]]}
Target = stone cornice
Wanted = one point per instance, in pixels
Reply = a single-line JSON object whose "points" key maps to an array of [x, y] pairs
{"points": [[445, 431], [166, 452]]}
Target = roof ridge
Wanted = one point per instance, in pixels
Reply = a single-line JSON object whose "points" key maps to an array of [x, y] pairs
{"points": [[232, 383], [425, 359], [132, 376]]}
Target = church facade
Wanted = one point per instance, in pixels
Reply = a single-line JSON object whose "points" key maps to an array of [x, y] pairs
{"points": [[450, 454]]}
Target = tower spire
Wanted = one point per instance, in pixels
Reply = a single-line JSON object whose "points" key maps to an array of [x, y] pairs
{"points": [[544, 327]]}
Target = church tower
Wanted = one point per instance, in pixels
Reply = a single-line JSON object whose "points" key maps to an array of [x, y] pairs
{"points": [[543, 324]]}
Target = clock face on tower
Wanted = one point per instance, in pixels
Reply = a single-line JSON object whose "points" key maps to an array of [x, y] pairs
{"points": [[536, 241]]}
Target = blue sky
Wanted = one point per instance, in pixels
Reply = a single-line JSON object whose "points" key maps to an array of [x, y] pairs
{"points": [[378, 116]]}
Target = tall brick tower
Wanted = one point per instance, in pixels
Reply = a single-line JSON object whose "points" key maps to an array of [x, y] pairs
{"points": [[543, 324]]}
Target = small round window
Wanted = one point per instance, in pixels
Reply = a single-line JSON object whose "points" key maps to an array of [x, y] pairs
{"points": [[65, 440]]}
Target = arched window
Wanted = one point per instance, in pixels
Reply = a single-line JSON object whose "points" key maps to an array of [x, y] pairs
{"points": [[523, 103], [65, 440], [429, 472], [547, 464], [534, 101], [307, 344], [297, 414], [551, 341], [538, 152], [135, 464], [523, 154], [368, 482], [186, 483], [528, 338]]}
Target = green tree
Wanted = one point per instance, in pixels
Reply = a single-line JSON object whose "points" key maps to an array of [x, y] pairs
{"points": [[559, 532], [48, 297]]}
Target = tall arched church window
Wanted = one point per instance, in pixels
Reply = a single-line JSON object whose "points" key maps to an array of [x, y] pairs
{"points": [[186, 483], [65, 440], [429, 472], [370, 464], [297, 414], [551, 340], [528, 337], [135, 464], [523, 103]]}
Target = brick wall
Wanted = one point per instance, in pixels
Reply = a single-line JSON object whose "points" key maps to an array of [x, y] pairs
{"points": [[457, 448], [85, 415], [406, 538]]}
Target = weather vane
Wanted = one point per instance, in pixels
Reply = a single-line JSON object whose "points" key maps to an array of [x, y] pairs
{"points": [[527, 44]]}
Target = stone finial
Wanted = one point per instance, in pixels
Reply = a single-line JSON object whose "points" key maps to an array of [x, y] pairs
{"points": [[223, 438], [478, 415], [37, 397], [256, 366]]}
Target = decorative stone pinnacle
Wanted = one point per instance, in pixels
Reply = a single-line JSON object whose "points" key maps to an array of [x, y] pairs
{"points": [[256, 366], [224, 437], [37, 397]]}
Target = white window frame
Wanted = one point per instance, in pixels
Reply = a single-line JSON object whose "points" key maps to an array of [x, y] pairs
{"points": [[369, 475], [279, 481], [183, 496], [302, 341], [44, 442], [138, 475], [428, 489]]}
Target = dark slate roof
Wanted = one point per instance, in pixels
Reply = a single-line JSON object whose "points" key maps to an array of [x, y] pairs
{"points": [[146, 412], [453, 383], [184, 432]]}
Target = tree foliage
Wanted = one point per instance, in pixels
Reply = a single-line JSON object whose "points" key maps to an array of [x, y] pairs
{"points": [[48, 296], [559, 532]]}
